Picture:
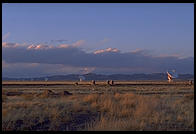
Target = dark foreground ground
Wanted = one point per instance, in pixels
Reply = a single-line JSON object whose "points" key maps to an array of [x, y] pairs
{"points": [[122, 106]]}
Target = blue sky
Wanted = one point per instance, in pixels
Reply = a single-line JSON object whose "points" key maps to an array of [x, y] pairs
{"points": [[157, 29]]}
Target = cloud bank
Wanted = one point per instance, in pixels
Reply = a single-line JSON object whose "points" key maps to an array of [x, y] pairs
{"points": [[71, 59]]}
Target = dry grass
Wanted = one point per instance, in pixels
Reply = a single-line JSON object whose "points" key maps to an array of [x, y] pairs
{"points": [[145, 113], [91, 98], [28, 97], [4, 98], [116, 111]]}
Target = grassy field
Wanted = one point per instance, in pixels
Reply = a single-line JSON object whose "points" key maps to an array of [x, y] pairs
{"points": [[128, 106]]}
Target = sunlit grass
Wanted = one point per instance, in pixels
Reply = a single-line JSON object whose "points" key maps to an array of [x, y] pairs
{"points": [[114, 109]]}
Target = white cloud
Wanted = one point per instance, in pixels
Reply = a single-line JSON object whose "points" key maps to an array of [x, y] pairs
{"points": [[63, 46], [12, 45], [66, 57], [106, 50], [179, 56], [7, 45], [78, 43], [87, 70], [136, 50], [43, 46], [40, 46]]}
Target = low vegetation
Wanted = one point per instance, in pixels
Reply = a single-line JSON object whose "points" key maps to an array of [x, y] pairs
{"points": [[127, 111]]}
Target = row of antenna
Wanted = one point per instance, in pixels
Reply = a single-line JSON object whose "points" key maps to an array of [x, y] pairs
{"points": [[170, 76], [108, 82]]}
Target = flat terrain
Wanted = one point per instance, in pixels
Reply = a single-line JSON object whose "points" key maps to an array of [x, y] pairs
{"points": [[144, 82], [125, 105]]}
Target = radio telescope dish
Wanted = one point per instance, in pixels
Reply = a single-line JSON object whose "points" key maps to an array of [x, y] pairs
{"points": [[171, 74], [81, 78]]}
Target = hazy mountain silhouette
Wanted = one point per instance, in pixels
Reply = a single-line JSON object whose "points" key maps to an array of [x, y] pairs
{"points": [[93, 76]]}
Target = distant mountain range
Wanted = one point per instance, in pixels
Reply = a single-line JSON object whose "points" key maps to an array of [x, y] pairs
{"points": [[92, 76]]}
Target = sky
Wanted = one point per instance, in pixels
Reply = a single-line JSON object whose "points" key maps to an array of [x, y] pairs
{"points": [[51, 39]]}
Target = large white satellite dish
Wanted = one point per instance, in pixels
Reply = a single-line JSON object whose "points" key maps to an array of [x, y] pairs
{"points": [[171, 74]]}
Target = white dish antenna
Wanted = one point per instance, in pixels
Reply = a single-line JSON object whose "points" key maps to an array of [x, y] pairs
{"points": [[81, 78], [171, 74]]}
